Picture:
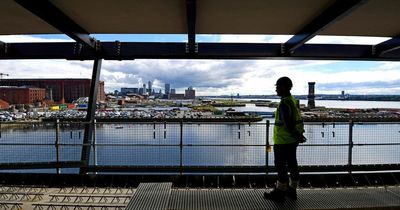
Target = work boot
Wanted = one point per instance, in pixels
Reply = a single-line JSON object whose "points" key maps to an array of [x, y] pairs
{"points": [[278, 193], [292, 189], [275, 195], [291, 193]]}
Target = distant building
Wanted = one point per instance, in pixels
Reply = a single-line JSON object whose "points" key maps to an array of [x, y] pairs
{"points": [[144, 89], [59, 90], [4, 104], [167, 88], [125, 91], [141, 91], [176, 96], [173, 91], [190, 93], [22, 95]]}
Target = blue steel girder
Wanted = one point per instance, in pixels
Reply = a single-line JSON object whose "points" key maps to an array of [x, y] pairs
{"points": [[49, 13], [335, 12], [155, 50]]}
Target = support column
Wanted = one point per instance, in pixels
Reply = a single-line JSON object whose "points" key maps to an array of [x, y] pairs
{"points": [[89, 121]]}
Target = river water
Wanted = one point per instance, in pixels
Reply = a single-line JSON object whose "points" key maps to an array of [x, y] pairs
{"points": [[205, 144]]}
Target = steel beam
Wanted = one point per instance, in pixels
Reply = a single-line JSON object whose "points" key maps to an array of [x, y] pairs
{"points": [[387, 46], [143, 50], [45, 10], [90, 115], [191, 24], [335, 12]]}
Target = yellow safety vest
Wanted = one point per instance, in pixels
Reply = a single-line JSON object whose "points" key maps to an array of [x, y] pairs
{"points": [[281, 135]]}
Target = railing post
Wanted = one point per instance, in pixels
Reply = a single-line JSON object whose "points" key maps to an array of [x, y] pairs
{"points": [[266, 146], [57, 144], [94, 142], [181, 147], [350, 158]]}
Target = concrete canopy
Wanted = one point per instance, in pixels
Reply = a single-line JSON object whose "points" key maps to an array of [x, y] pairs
{"points": [[372, 18]]}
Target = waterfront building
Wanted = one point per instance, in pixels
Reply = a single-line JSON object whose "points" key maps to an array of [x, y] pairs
{"points": [[125, 91], [60, 90], [190, 93], [22, 95], [176, 96]]}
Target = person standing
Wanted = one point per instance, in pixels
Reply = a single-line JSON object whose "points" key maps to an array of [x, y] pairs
{"points": [[288, 133]]}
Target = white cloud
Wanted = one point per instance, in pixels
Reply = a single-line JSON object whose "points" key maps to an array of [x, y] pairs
{"points": [[217, 77], [28, 38]]}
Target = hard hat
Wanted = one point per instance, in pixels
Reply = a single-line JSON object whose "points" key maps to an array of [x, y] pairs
{"points": [[284, 81]]}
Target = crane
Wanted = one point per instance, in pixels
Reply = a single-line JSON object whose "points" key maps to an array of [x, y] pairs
{"points": [[3, 74]]}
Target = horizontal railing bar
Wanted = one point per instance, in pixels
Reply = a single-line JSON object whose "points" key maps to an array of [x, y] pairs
{"points": [[195, 145], [41, 165]]}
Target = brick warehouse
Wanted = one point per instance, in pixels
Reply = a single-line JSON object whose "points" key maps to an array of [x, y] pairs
{"points": [[59, 90], [22, 95]]}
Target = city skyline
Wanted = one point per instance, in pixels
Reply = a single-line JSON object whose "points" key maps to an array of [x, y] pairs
{"points": [[220, 77]]}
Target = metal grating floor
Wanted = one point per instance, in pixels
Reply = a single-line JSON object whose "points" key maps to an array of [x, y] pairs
{"points": [[151, 196], [217, 199]]}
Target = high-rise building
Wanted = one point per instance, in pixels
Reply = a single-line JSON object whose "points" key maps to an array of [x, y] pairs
{"points": [[190, 93], [150, 90], [172, 91], [167, 88], [61, 90], [144, 89], [141, 91], [311, 95]]}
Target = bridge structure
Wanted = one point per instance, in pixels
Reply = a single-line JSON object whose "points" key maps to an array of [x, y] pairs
{"points": [[303, 20]]}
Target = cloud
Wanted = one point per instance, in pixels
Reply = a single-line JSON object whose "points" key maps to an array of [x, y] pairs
{"points": [[219, 77]]}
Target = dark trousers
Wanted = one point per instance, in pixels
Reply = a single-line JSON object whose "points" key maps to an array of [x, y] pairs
{"points": [[285, 158]]}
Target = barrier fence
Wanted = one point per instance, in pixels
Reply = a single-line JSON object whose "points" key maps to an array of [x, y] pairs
{"points": [[193, 147]]}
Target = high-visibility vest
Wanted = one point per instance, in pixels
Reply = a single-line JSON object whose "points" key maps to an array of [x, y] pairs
{"points": [[281, 135]]}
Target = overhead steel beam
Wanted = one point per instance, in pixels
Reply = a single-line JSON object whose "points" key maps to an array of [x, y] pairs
{"points": [[387, 46], [90, 115], [153, 50], [335, 12], [45, 10], [191, 24]]}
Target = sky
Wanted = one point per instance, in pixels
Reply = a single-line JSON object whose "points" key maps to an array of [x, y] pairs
{"points": [[219, 77]]}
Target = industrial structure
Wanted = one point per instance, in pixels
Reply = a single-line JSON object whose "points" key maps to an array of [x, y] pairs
{"points": [[311, 95]]}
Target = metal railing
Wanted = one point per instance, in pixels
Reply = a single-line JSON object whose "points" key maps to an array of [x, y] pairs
{"points": [[194, 147]]}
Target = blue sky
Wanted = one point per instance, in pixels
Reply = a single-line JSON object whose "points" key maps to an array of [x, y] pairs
{"points": [[219, 77]]}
